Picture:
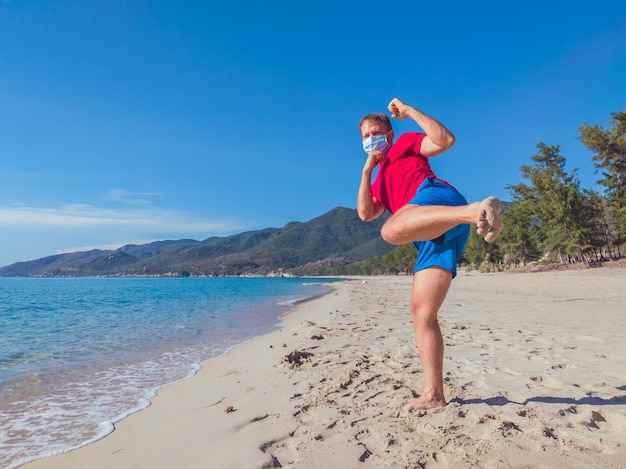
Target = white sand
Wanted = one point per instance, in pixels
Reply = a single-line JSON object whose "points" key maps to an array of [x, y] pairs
{"points": [[535, 374]]}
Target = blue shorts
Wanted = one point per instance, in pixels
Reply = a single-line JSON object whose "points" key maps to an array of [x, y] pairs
{"points": [[446, 250]]}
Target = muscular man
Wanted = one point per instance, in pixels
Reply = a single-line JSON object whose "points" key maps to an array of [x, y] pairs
{"points": [[427, 211]]}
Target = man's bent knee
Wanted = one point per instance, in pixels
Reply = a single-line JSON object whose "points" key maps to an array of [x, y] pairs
{"points": [[390, 234]]}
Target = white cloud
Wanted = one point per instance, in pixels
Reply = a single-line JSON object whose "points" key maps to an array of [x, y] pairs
{"points": [[130, 198], [88, 216]]}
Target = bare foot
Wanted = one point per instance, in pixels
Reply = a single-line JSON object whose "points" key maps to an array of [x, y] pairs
{"points": [[489, 221], [424, 403]]}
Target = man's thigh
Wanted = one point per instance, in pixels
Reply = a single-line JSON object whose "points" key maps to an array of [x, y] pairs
{"points": [[430, 287]]}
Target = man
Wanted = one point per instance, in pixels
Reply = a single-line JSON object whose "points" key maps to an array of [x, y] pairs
{"points": [[427, 211]]}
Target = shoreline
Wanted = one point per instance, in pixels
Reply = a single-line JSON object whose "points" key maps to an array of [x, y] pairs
{"points": [[147, 402], [80, 400], [530, 378]]}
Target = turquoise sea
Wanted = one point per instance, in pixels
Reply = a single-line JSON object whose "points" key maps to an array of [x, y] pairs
{"points": [[77, 355]]}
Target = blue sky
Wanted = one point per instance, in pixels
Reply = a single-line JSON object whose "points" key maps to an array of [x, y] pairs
{"points": [[133, 121]]}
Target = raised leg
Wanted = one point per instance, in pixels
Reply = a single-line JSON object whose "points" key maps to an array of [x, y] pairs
{"points": [[425, 222]]}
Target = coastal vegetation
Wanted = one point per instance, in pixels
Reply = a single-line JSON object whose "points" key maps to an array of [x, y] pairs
{"points": [[552, 219]]}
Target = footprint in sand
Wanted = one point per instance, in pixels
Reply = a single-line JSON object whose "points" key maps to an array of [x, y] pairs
{"points": [[548, 382], [595, 418]]}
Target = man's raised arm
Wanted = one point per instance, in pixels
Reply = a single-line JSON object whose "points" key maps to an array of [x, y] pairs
{"points": [[438, 138]]}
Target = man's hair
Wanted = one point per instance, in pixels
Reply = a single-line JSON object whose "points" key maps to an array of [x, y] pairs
{"points": [[377, 117]]}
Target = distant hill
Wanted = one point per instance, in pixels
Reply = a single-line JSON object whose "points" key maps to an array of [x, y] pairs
{"points": [[299, 248]]}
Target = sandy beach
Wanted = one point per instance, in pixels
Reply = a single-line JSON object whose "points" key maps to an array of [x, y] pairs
{"points": [[535, 375]]}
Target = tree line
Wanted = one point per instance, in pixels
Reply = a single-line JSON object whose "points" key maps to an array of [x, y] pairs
{"points": [[550, 219]]}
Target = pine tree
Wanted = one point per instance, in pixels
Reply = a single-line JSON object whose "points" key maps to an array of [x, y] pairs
{"points": [[555, 199], [609, 147]]}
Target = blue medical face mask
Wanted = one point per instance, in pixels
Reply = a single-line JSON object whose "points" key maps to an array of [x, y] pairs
{"points": [[376, 142]]}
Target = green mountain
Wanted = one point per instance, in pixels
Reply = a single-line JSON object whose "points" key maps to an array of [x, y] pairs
{"points": [[338, 237]]}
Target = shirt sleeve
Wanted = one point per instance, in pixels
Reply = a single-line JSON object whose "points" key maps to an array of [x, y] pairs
{"points": [[408, 144]]}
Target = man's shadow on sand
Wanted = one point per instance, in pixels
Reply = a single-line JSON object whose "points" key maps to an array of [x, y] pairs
{"points": [[590, 400]]}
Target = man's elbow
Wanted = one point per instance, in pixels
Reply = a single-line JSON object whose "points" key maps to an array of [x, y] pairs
{"points": [[450, 140], [365, 216], [369, 215]]}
